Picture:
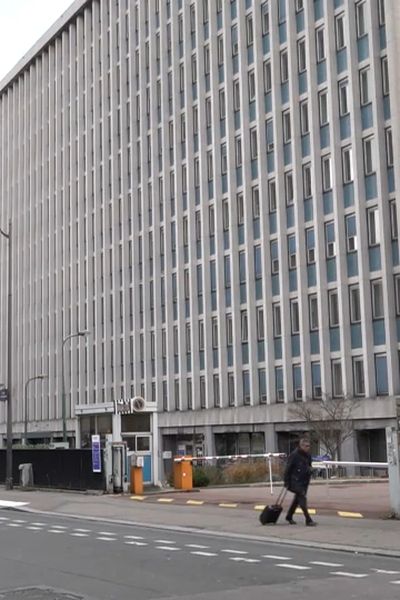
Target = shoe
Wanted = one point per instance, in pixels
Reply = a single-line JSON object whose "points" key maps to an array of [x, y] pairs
{"points": [[311, 524], [290, 521]]}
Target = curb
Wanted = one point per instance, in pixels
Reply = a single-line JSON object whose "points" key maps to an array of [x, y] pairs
{"points": [[224, 534]]}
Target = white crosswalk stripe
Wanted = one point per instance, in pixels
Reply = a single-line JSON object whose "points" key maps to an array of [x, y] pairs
{"points": [[346, 574], [295, 567]]}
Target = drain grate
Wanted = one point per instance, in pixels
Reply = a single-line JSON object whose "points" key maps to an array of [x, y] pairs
{"points": [[37, 593]]}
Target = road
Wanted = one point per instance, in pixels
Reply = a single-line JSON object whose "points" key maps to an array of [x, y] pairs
{"points": [[71, 559]]}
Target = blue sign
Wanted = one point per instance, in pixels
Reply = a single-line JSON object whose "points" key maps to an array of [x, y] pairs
{"points": [[96, 454]]}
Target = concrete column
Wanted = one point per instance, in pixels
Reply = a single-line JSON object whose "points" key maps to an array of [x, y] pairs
{"points": [[392, 442], [269, 437], [116, 428], [156, 453], [209, 442], [77, 432]]}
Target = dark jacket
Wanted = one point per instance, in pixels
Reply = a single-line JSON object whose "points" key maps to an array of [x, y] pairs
{"points": [[298, 471]]}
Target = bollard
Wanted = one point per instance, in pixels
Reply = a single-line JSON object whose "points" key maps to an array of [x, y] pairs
{"points": [[136, 480], [183, 473]]}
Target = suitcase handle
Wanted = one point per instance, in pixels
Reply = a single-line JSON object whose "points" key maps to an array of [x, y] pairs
{"points": [[281, 496]]}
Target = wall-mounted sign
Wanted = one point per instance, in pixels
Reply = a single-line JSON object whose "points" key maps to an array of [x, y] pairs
{"points": [[96, 454], [3, 394], [129, 406]]}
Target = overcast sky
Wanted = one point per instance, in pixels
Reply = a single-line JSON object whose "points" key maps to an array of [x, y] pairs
{"points": [[22, 23]]}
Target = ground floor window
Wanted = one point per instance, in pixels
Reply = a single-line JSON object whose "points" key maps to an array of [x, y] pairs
{"points": [[239, 443]]}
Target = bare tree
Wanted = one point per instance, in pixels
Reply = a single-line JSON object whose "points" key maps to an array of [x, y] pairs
{"points": [[329, 420]]}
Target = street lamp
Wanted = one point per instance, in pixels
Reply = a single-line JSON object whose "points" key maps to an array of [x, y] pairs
{"points": [[26, 404], [64, 411], [9, 461]]}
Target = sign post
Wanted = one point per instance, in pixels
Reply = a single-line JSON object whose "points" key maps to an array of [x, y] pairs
{"points": [[96, 454]]}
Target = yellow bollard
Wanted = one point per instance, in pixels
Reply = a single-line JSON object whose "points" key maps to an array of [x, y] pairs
{"points": [[136, 480], [183, 473]]}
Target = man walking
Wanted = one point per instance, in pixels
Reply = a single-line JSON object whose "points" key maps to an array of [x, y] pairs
{"points": [[297, 478]]}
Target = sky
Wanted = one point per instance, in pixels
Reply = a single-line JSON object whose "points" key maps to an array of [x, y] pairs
{"points": [[22, 23]]}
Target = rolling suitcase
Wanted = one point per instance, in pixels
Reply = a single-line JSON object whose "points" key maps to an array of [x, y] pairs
{"points": [[271, 513]]}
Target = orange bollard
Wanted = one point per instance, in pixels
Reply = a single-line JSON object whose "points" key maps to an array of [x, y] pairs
{"points": [[183, 473], [136, 480]]}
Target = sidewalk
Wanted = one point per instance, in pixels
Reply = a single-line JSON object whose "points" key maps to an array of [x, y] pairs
{"points": [[356, 535]]}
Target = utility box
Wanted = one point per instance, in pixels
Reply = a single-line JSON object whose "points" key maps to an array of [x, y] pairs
{"points": [[183, 473], [25, 475]]}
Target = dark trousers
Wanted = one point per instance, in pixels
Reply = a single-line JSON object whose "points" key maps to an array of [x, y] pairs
{"points": [[300, 499]]}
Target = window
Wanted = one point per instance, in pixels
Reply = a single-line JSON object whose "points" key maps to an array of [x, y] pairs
{"points": [[385, 76], [262, 386], [294, 316], [229, 330], [287, 131], [246, 387], [326, 173], [265, 18], [194, 69], [249, 30], [238, 151], [214, 332], [203, 401], [381, 12], [240, 208], [360, 19], [210, 169], [373, 226], [255, 201], [377, 299], [260, 323], [222, 104], [284, 66], [355, 304], [389, 147], [299, 5], [272, 195], [236, 94], [393, 220], [301, 55], [289, 192], [307, 182], [347, 165], [225, 214], [244, 326], [365, 92], [277, 320], [358, 376], [224, 160], [231, 389], [323, 107], [333, 302], [339, 32], [343, 97], [397, 293], [206, 59], [217, 397], [253, 143], [337, 383], [320, 44], [267, 76], [351, 233], [304, 121], [369, 155], [234, 38], [220, 50], [252, 86], [313, 310]]}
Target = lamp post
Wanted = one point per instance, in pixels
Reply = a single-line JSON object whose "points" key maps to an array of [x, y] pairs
{"points": [[64, 411], [9, 462], [26, 404]]}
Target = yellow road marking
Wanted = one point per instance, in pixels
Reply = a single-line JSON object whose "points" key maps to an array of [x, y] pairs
{"points": [[227, 505], [259, 507], [140, 498], [312, 511], [166, 500], [350, 515], [195, 502]]}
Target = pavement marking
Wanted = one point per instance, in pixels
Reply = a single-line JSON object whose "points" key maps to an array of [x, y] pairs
{"points": [[169, 548], [246, 560], [133, 537], [259, 507], [275, 557], [11, 504], [33, 528], [350, 515], [195, 502], [83, 530], [63, 527], [198, 546], [106, 533], [346, 574], [396, 582], [312, 511], [78, 534], [320, 563], [4, 519], [383, 572], [200, 553], [165, 500], [165, 542], [105, 539], [234, 551], [19, 521], [39, 524], [138, 498], [13, 525], [227, 505], [132, 543], [296, 567], [56, 531]]}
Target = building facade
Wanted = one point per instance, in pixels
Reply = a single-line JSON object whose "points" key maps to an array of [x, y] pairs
{"points": [[208, 188]]}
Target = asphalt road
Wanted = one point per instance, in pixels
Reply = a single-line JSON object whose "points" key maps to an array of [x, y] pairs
{"points": [[53, 558]]}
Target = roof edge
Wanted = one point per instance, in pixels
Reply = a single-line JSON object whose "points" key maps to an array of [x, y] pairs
{"points": [[42, 42]]}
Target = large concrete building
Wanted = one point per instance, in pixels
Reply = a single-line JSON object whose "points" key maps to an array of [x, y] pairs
{"points": [[208, 187]]}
